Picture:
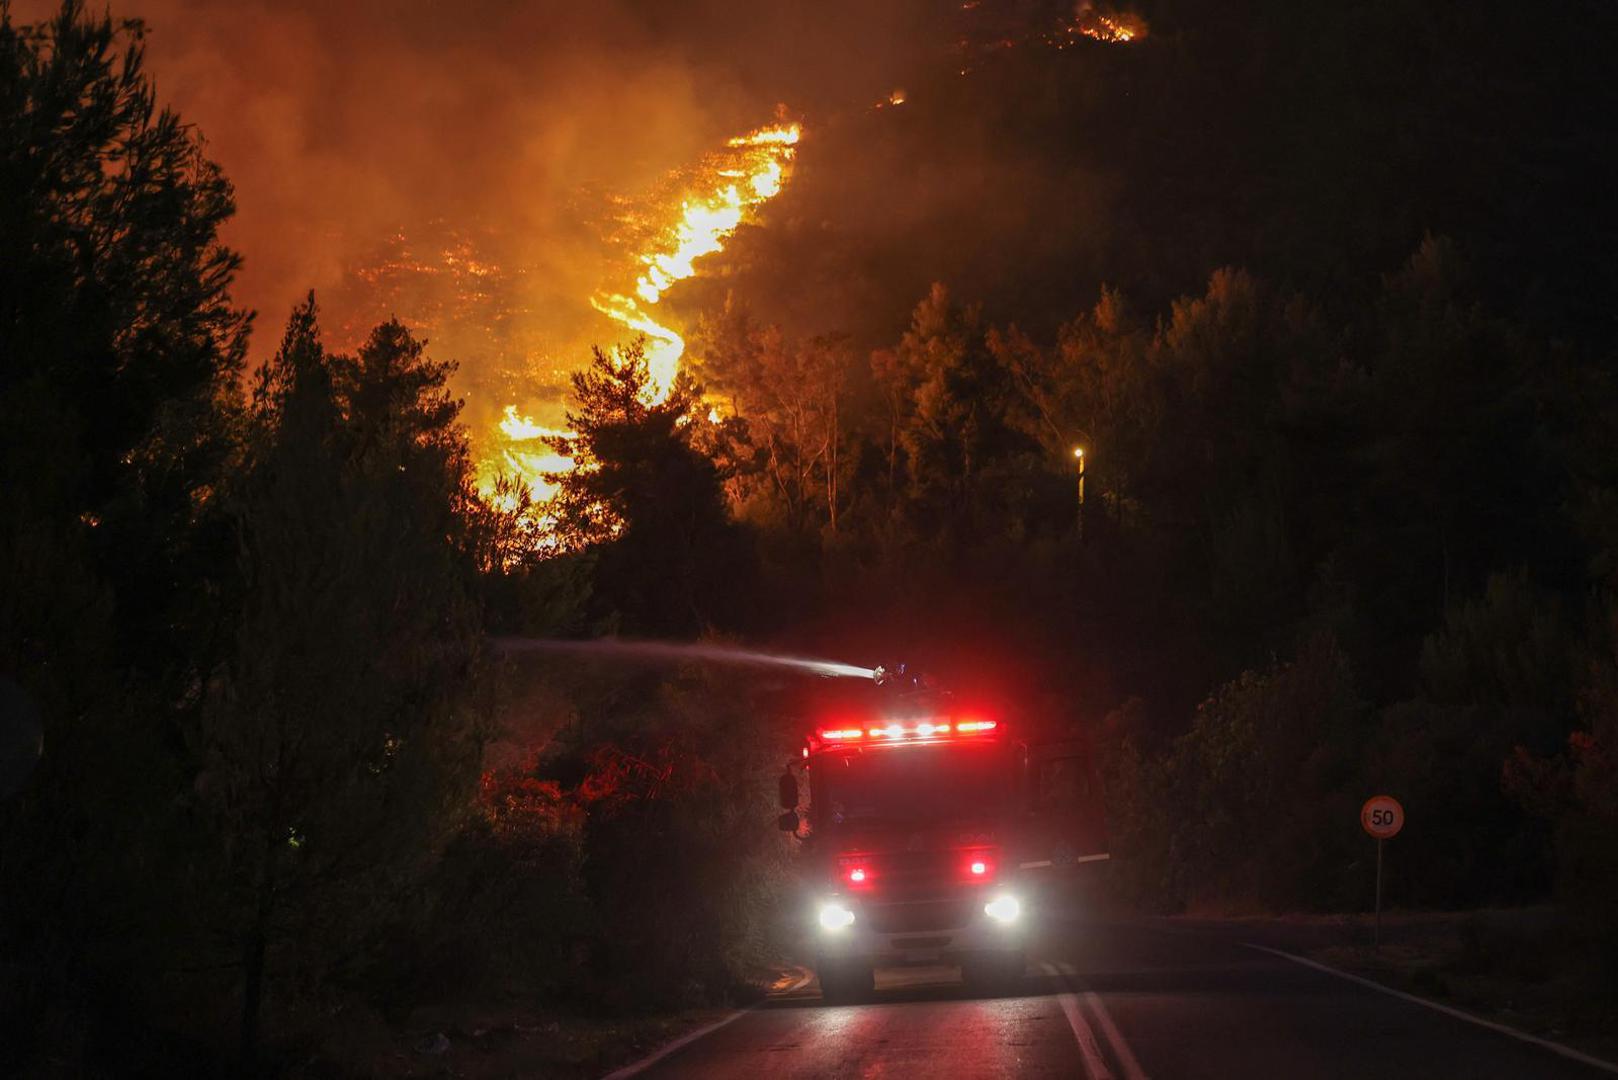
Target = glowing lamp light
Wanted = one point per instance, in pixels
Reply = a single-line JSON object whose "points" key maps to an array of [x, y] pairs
{"points": [[1002, 909], [856, 875], [835, 916], [980, 868], [893, 731], [968, 726]]}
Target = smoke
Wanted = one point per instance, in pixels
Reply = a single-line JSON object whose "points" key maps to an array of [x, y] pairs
{"points": [[342, 123], [449, 164], [476, 168]]}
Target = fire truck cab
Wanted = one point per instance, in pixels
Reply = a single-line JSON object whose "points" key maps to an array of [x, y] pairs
{"points": [[929, 832]]}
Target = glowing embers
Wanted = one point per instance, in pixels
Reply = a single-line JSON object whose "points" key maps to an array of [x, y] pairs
{"points": [[1112, 27]]}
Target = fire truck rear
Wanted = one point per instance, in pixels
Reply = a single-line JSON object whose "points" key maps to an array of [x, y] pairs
{"points": [[931, 828]]}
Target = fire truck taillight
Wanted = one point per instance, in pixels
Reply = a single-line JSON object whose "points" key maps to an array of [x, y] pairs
{"points": [[855, 872], [977, 866], [966, 727]]}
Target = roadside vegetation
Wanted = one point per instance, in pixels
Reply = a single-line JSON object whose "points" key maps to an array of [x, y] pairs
{"points": [[1333, 542]]}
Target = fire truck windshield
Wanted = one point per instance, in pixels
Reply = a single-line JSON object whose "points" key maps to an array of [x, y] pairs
{"points": [[913, 784]]}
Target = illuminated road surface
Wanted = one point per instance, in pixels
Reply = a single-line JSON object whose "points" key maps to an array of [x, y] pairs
{"points": [[1145, 1000]]}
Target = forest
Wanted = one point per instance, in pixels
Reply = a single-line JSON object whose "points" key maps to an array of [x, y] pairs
{"points": [[1340, 532]]}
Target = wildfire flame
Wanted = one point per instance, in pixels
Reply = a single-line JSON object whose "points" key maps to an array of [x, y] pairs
{"points": [[731, 184], [725, 190], [1106, 29], [1117, 27]]}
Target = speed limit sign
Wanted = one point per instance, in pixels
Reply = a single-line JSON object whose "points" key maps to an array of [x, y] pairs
{"points": [[1382, 816]]}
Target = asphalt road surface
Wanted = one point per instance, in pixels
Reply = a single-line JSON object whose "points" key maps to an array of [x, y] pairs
{"points": [[1119, 1000]]}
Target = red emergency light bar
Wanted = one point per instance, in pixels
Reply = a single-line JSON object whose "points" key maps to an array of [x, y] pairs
{"points": [[922, 730]]}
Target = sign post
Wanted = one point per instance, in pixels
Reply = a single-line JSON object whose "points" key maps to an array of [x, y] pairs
{"points": [[1382, 817]]}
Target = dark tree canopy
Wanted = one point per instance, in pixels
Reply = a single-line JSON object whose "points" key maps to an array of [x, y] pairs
{"points": [[670, 559]]}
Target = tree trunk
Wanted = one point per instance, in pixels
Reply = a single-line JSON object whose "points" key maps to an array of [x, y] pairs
{"points": [[255, 946], [252, 994], [831, 473]]}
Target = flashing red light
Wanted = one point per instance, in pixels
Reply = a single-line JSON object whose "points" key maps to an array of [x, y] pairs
{"points": [[895, 731], [978, 865], [856, 871]]}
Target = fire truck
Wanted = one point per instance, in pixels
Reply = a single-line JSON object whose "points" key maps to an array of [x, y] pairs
{"points": [[931, 832]]}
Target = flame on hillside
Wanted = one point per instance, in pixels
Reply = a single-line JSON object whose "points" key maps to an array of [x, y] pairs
{"points": [[1109, 26], [524, 453], [725, 189], [716, 197]]}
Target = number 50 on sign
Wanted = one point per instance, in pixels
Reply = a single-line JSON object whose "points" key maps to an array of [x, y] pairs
{"points": [[1382, 816]]}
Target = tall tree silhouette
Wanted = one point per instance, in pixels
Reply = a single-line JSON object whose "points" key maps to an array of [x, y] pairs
{"points": [[670, 559]]}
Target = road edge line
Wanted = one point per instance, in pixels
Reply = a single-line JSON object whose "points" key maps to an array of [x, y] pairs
{"points": [[1120, 1045], [1095, 1063], [1109, 1029], [1522, 1036], [636, 1067]]}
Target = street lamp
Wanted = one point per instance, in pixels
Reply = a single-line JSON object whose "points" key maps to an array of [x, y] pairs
{"points": [[1078, 452]]}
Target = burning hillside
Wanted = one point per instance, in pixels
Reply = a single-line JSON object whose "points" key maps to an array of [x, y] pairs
{"points": [[1105, 25], [720, 194], [706, 204]]}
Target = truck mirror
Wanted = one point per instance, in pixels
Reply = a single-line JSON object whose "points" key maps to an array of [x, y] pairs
{"points": [[787, 822], [789, 791]]}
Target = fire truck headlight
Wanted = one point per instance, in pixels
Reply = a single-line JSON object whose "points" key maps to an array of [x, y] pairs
{"points": [[1003, 909], [835, 916]]}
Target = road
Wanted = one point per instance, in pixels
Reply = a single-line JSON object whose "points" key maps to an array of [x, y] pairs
{"points": [[1118, 1000]]}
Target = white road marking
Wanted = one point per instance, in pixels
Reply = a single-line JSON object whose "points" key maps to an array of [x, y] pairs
{"points": [[692, 1036], [1109, 1030], [1094, 1064], [684, 1040], [1523, 1036]]}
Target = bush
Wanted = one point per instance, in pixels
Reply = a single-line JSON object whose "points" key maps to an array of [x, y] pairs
{"points": [[682, 863], [1255, 805]]}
